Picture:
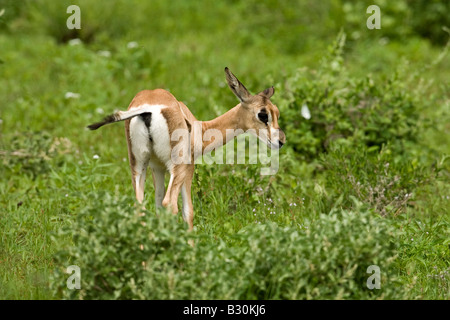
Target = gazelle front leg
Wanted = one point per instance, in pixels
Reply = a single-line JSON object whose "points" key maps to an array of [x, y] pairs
{"points": [[188, 209], [177, 179], [181, 180]]}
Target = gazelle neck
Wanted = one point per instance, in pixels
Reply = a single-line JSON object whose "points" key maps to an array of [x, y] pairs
{"points": [[229, 120]]}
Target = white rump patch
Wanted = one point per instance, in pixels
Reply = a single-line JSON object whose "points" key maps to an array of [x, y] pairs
{"points": [[157, 149]]}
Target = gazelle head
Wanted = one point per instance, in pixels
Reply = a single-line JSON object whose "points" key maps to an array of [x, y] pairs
{"points": [[257, 112]]}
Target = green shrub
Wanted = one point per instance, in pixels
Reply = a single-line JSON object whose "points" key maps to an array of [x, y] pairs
{"points": [[323, 259], [107, 237], [126, 256], [387, 184], [33, 152], [9, 10], [400, 20], [342, 107], [429, 19]]}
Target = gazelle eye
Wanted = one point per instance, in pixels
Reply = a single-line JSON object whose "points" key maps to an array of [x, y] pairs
{"points": [[263, 116]]}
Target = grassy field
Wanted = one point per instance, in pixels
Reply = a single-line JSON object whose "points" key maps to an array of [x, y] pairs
{"points": [[364, 182]]}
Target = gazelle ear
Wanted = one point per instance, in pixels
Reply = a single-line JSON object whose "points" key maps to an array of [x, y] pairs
{"points": [[237, 87], [268, 92]]}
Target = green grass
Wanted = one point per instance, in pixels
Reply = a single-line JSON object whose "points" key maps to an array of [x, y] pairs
{"points": [[248, 227]]}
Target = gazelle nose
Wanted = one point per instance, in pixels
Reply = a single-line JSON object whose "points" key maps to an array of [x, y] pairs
{"points": [[280, 144]]}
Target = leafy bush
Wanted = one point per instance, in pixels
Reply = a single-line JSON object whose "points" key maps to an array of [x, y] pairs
{"points": [[9, 10], [126, 256], [324, 259], [402, 19], [343, 107], [108, 238], [374, 178], [32, 152], [429, 18]]}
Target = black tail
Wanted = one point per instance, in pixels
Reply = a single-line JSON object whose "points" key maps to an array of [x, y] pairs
{"points": [[108, 119]]}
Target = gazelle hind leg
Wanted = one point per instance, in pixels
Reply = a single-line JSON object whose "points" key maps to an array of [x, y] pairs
{"points": [[140, 184], [139, 173], [158, 183], [138, 154]]}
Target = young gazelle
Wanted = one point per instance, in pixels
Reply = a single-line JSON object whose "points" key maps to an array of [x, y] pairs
{"points": [[155, 115]]}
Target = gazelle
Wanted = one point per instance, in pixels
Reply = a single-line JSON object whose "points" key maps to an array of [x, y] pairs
{"points": [[155, 115]]}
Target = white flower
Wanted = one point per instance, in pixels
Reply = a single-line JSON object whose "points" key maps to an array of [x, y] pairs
{"points": [[305, 112], [335, 65], [383, 41], [96, 156], [104, 53], [74, 42], [356, 35], [99, 110], [71, 95], [132, 44]]}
